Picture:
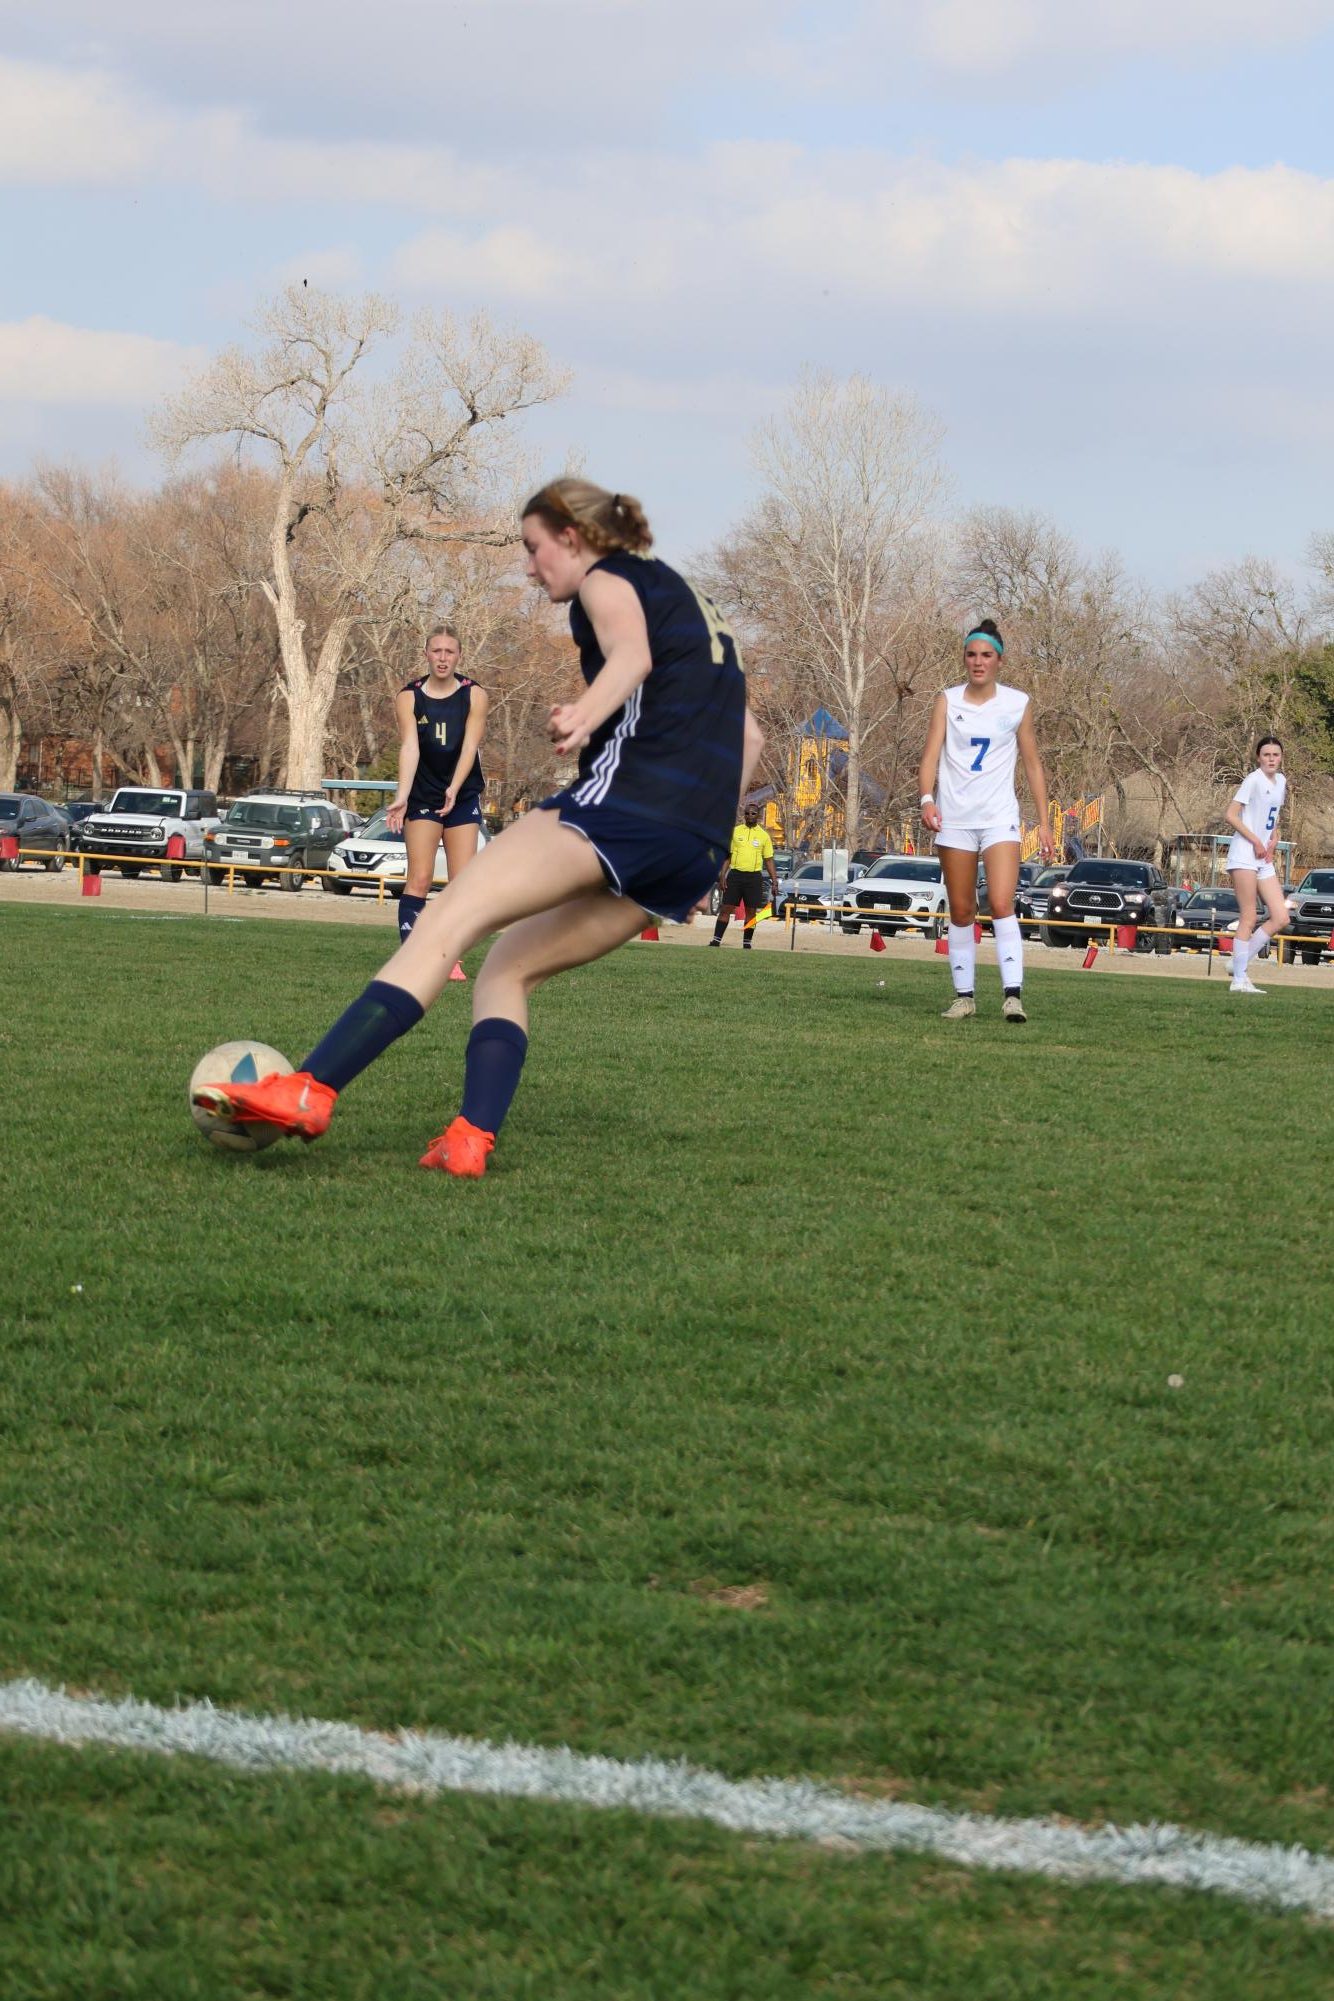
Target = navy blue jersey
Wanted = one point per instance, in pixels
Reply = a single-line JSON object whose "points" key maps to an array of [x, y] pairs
{"points": [[672, 752], [441, 723]]}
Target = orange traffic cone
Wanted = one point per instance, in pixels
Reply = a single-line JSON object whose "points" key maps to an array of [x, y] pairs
{"points": [[458, 972], [942, 948], [649, 934], [1090, 956], [92, 884], [877, 942]]}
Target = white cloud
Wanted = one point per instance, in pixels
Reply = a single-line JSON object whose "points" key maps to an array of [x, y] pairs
{"points": [[43, 361]]}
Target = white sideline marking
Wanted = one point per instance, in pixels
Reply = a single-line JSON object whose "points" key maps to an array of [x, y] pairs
{"points": [[1292, 1879]]}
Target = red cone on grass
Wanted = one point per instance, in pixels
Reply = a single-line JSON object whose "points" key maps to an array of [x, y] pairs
{"points": [[977, 934], [92, 885], [877, 942], [942, 948], [1090, 956], [649, 934], [458, 972]]}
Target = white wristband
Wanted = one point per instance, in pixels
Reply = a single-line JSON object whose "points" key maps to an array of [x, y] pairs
{"points": [[928, 799]]}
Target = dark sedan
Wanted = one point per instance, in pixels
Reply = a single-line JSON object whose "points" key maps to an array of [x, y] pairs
{"points": [[1204, 920], [1031, 898], [40, 831]]}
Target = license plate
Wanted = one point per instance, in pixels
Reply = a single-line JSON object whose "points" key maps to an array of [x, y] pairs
{"points": [[1095, 920]]}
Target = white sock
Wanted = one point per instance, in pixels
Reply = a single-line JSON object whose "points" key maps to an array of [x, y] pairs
{"points": [[1241, 952], [963, 958], [1258, 940], [1009, 950]]}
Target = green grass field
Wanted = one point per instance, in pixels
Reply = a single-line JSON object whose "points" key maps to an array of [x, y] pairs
{"points": [[779, 1288]]}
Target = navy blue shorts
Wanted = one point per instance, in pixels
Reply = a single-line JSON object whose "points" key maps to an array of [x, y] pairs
{"points": [[467, 811], [665, 870]]}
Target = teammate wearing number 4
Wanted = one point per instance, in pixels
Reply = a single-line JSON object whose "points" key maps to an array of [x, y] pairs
{"points": [[975, 734], [1253, 818], [666, 745]]}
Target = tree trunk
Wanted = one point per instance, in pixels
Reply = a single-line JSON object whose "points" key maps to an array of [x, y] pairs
{"points": [[852, 791], [11, 731]]}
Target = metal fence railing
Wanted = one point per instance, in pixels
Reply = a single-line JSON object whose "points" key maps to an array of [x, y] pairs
{"points": [[1108, 934]]}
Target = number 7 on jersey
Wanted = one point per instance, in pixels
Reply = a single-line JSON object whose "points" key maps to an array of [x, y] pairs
{"points": [[981, 744]]}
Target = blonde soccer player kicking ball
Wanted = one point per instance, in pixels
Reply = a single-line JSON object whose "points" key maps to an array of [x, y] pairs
{"points": [[1253, 817], [666, 745], [976, 733]]}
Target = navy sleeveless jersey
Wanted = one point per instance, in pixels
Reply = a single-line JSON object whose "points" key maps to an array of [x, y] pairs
{"points": [[441, 723], [672, 752]]}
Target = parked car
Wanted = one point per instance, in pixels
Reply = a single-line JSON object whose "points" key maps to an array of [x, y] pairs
{"points": [[897, 893], [1105, 891], [374, 856], [1312, 906], [39, 828], [1028, 872], [283, 835], [1030, 902], [149, 826], [76, 811], [810, 892], [1204, 918]]}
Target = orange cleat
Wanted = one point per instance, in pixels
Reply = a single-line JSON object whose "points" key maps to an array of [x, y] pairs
{"points": [[461, 1149], [296, 1102]]}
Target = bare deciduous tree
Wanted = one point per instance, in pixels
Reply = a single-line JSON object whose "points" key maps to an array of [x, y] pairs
{"points": [[362, 464], [828, 567]]}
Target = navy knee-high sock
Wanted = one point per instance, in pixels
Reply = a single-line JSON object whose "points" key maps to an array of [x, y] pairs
{"points": [[363, 1032], [410, 909], [491, 1072]]}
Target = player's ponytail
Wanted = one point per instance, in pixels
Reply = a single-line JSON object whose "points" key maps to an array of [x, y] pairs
{"points": [[987, 628], [606, 521]]}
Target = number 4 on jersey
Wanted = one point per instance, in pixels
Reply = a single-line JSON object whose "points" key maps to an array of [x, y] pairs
{"points": [[719, 629]]}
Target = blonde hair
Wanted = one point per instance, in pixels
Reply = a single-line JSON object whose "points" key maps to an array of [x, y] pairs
{"points": [[605, 520], [444, 632]]}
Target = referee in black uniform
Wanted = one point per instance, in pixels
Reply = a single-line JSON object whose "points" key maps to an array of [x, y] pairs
{"points": [[744, 881]]}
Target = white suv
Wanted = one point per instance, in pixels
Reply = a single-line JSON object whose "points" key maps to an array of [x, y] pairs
{"points": [[897, 893], [374, 856]]}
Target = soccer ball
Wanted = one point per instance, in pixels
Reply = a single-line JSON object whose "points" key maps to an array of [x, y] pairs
{"points": [[236, 1063]]}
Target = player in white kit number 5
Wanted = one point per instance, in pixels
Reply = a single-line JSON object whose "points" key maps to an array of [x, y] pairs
{"points": [[1253, 818], [976, 732]]}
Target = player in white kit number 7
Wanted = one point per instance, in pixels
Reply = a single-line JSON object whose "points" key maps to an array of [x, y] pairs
{"points": [[976, 732], [1253, 818]]}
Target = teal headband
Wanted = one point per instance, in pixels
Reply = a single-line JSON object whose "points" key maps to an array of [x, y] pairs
{"points": [[991, 639]]}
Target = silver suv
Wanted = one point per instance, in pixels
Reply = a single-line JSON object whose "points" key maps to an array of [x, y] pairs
{"points": [[286, 835]]}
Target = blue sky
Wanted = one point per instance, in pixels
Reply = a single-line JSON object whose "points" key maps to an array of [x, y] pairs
{"points": [[1100, 250]]}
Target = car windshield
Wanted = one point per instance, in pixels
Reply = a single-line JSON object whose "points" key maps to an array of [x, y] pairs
{"points": [[1049, 876], [906, 868], [1211, 899], [263, 813], [152, 803], [1110, 871], [376, 830], [812, 872], [1320, 881], [9, 806]]}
